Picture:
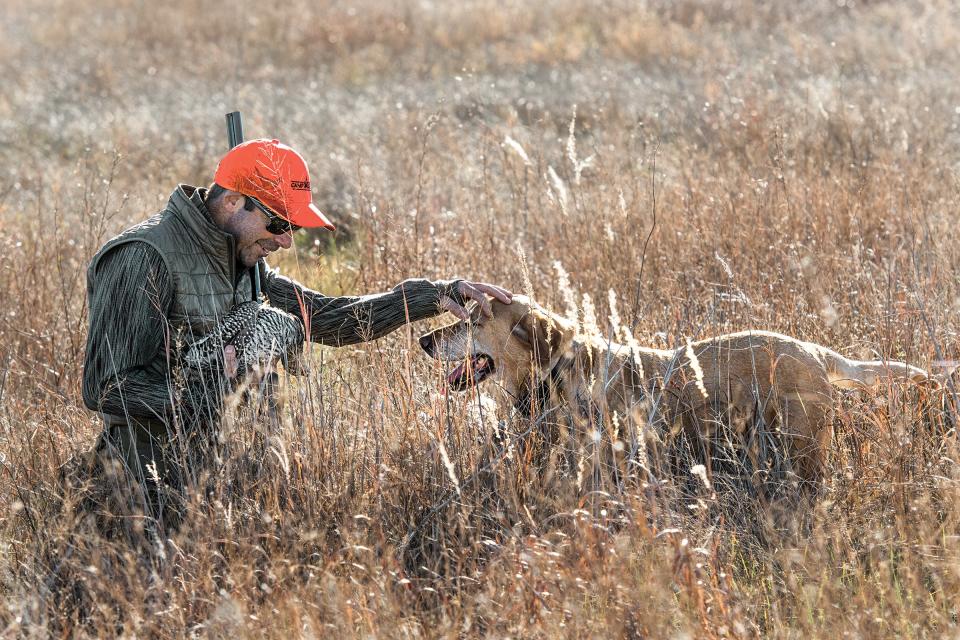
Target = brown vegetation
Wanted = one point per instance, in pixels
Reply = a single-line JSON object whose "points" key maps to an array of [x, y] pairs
{"points": [[786, 166]]}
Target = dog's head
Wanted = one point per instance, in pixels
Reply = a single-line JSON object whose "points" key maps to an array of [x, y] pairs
{"points": [[512, 347]]}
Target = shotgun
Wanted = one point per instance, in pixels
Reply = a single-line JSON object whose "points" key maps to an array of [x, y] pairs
{"points": [[235, 137]]}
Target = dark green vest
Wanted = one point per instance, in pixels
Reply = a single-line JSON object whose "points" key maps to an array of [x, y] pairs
{"points": [[200, 258]]}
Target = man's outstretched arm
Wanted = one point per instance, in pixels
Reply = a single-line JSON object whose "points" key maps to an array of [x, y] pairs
{"points": [[344, 320]]}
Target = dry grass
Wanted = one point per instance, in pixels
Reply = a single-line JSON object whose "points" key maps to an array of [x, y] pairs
{"points": [[790, 167]]}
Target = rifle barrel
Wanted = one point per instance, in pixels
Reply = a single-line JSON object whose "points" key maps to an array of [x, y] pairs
{"points": [[235, 137], [234, 129]]}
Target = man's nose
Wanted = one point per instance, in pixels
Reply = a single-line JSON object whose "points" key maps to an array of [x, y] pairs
{"points": [[426, 343], [285, 240]]}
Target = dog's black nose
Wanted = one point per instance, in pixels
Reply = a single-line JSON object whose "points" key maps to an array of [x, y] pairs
{"points": [[426, 343]]}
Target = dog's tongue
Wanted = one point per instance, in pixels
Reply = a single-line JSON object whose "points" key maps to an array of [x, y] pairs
{"points": [[457, 374]]}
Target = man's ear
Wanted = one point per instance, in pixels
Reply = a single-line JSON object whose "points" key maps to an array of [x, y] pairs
{"points": [[234, 201], [541, 334]]}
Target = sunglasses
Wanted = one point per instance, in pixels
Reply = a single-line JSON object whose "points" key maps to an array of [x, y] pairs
{"points": [[277, 225]]}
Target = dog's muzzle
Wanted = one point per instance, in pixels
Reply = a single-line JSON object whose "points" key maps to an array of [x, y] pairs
{"points": [[472, 370]]}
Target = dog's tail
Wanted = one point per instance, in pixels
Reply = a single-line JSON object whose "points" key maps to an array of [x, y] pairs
{"points": [[857, 374]]}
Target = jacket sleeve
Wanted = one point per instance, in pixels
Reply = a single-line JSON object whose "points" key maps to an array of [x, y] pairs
{"points": [[344, 320], [127, 367]]}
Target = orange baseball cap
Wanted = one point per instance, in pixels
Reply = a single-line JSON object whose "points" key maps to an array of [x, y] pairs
{"points": [[276, 175]]}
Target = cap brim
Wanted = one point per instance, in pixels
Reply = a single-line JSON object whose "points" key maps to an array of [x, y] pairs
{"points": [[311, 216]]}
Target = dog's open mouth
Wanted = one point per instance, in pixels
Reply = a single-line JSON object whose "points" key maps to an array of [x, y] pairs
{"points": [[470, 372]]}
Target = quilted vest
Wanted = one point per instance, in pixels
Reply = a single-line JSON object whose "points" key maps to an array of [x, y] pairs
{"points": [[200, 258]]}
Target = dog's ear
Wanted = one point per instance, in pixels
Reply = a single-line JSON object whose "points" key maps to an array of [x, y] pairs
{"points": [[541, 334]]}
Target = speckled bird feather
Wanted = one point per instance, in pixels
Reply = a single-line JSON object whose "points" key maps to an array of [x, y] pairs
{"points": [[260, 334]]}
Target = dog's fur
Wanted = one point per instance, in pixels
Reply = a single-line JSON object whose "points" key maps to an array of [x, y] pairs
{"points": [[739, 379]]}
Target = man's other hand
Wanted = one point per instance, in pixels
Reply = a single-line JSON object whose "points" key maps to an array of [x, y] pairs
{"points": [[230, 363], [475, 291]]}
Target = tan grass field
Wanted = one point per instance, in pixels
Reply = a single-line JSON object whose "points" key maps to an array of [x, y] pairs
{"points": [[703, 166]]}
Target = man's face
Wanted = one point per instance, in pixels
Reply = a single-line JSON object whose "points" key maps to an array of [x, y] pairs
{"points": [[249, 228]]}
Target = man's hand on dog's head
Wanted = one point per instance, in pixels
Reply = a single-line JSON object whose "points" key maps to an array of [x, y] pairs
{"points": [[475, 291]]}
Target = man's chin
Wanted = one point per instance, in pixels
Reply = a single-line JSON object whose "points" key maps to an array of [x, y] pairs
{"points": [[250, 257]]}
